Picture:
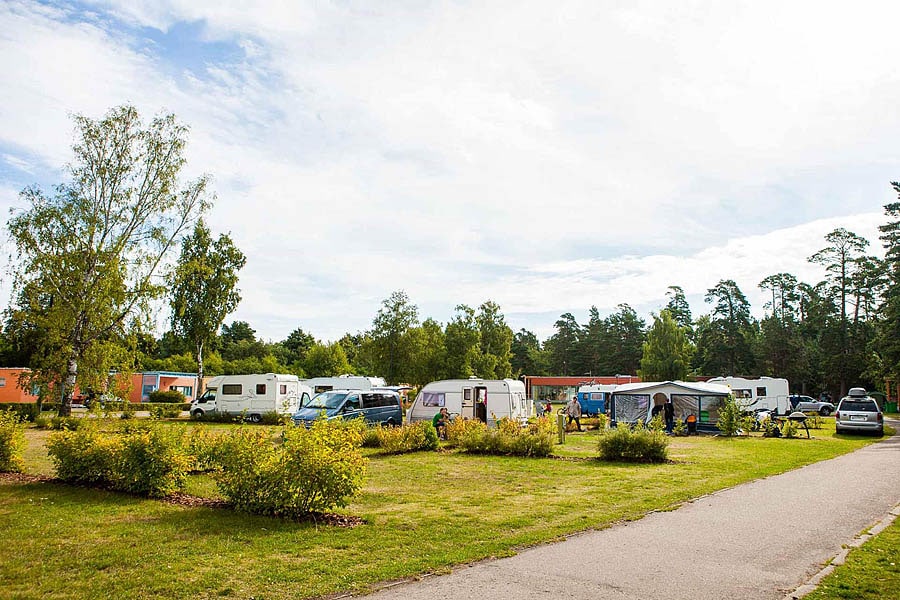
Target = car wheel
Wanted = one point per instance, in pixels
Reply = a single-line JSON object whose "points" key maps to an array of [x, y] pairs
{"points": [[825, 411], [255, 418], [880, 432], [197, 414], [390, 423], [838, 429]]}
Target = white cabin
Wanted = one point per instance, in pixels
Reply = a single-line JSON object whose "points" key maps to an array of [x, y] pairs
{"points": [[252, 395], [343, 382], [769, 393], [484, 399]]}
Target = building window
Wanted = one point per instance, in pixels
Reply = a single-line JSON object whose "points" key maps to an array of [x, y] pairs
{"points": [[2, 381]]}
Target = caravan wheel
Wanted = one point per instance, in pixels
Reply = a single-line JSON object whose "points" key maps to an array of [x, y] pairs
{"points": [[255, 418]]}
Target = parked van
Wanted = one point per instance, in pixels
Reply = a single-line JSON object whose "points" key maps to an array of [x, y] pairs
{"points": [[251, 395], [376, 406], [768, 393], [343, 382], [482, 399], [594, 398]]}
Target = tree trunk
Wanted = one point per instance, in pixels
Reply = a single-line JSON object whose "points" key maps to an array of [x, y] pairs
{"points": [[65, 407], [199, 389]]}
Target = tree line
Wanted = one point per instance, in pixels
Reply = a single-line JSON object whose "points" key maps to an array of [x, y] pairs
{"points": [[92, 265]]}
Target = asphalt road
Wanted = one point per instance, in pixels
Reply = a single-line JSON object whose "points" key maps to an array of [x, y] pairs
{"points": [[759, 540]]}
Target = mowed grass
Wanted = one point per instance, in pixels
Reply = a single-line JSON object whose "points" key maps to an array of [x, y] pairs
{"points": [[424, 512], [871, 572]]}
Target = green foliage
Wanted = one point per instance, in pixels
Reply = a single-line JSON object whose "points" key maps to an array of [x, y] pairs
{"points": [[508, 438], [326, 360], [748, 423], [147, 460], [790, 429], [203, 446], [87, 255], [406, 438], [168, 396], [164, 411], [730, 416], [12, 442], [657, 423], [680, 428], [637, 445], [667, 351], [313, 470]]}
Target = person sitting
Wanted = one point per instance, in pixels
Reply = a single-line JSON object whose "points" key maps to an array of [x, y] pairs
{"points": [[440, 422]]}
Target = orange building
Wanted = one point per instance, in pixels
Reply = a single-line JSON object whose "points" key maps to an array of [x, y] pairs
{"points": [[142, 384], [10, 391], [561, 388]]}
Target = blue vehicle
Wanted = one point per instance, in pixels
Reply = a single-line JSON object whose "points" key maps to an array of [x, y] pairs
{"points": [[594, 398], [376, 406]]}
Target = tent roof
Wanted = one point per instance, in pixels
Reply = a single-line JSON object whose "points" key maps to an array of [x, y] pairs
{"points": [[689, 387]]}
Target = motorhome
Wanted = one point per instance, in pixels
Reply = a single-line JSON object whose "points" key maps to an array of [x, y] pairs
{"points": [[594, 398], [343, 382], [765, 393], [484, 399], [251, 395]]}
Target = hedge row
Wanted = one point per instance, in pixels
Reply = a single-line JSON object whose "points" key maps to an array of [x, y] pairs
{"points": [[508, 438], [633, 445]]}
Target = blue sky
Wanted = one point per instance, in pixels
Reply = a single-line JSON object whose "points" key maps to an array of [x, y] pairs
{"points": [[546, 157]]}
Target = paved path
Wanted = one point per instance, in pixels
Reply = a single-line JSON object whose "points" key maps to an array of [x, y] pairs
{"points": [[758, 540]]}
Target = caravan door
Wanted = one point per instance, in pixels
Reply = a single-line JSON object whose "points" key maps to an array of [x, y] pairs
{"points": [[481, 411]]}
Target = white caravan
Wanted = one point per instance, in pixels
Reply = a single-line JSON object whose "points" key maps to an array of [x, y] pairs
{"points": [[769, 393], [251, 395], [473, 398], [343, 382]]}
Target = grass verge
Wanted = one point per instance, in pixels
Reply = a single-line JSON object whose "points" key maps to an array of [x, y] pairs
{"points": [[424, 512]]}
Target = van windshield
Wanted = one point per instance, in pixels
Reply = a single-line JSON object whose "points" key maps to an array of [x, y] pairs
{"points": [[327, 400]]}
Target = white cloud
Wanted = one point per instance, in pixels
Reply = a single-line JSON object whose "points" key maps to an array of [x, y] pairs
{"points": [[548, 158]]}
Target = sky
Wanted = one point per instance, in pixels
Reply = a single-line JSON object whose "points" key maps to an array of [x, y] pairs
{"points": [[547, 156]]}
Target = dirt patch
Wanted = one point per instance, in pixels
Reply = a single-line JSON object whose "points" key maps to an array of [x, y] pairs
{"points": [[20, 478]]}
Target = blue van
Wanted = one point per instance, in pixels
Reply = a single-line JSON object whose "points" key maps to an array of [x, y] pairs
{"points": [[376, 406]]}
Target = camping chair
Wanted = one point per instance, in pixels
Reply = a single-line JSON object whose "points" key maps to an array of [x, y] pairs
{"points": [[691, 422]]}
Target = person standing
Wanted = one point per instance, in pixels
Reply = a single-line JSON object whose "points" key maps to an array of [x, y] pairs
{"points": [[669, 415], [573, 410]]}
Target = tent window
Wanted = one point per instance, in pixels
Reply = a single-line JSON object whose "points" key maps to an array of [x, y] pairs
{"points": [[631, 408], [685, 405]]}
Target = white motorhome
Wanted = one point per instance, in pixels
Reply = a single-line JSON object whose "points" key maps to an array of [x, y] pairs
{"points": [[251, 395], [483, 399], [769, 393], [343, 382]]}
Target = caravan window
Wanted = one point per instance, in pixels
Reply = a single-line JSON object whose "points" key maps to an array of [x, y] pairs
{"points": [[232, 389], [261, 389], [596, 395], [761, 391], [743, 393], [282, 389], [433, 398]]}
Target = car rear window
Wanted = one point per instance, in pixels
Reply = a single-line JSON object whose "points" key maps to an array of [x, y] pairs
{"points": [[861, 405]]}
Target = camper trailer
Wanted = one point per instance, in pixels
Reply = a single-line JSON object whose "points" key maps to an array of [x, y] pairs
{"points": [[482, 399], [765, 393], [632, 403], [594, 398], [251, 395], [343, 382]]}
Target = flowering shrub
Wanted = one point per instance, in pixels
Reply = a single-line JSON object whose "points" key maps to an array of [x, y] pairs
{"points": [[145, 459], [407, 438], [12, 442], [313, 470], [508, 438]]}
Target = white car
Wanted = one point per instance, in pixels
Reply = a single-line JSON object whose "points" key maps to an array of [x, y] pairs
{"points": [[808, 404]]}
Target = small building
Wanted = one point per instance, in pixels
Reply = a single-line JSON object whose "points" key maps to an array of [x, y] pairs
{"points": [[10, 390], [143, 384]]}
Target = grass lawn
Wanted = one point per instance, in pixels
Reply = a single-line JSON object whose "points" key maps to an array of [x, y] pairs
{"points": [[424, 512], [871, 572]]}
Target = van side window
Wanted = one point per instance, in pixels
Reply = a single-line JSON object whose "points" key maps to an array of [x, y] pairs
{"points": [[261, 389], [231, 389], [353, 402]]}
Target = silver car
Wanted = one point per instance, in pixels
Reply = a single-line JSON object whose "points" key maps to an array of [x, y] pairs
{"points": [[858, 412]]}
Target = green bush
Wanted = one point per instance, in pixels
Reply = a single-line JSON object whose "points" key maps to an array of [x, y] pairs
{"points": [[164, 411], [407, 438], [204, 447], [680, 428], [370, 438], [274, 418], [69, 423], [729, 422], [313, 470], [508, 438], [166, 396], [141, 459], [638, 445], [12, 442]]}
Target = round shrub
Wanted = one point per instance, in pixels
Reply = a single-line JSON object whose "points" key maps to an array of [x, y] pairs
{"points": [[12, 442], [637, 445]]}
